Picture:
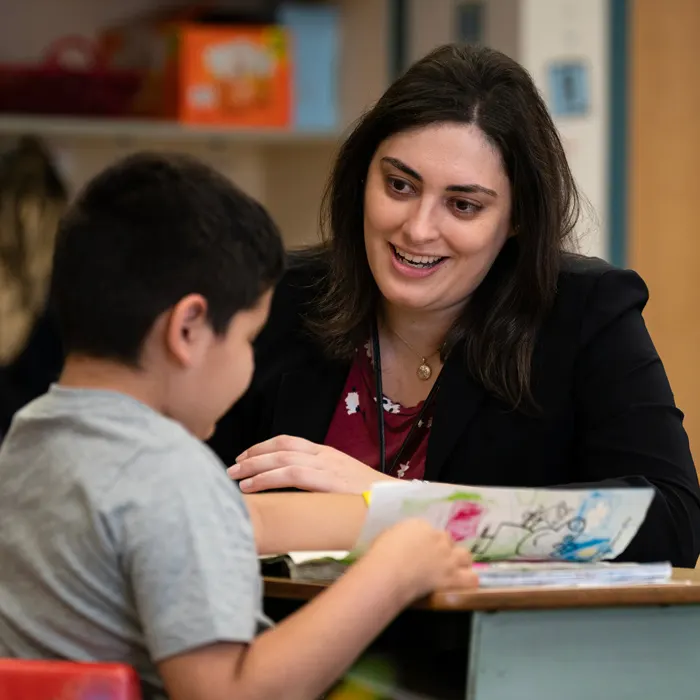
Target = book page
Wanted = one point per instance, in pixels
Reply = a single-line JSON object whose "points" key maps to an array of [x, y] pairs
{"points": [[505, 524]]}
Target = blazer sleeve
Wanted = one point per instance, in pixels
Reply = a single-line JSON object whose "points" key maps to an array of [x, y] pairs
{"points": [[630, 430], [239, 428], [249, 420]]}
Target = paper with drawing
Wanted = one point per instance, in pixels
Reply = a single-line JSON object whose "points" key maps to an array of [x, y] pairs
{"points": [[525, 524]]}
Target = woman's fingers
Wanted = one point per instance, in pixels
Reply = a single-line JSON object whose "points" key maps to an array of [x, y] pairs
{"points": [[280, 443], [294, 476], [304, 465], [265, 462]]}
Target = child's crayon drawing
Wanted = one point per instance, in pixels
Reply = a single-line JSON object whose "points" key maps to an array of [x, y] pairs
{"points": [[498, 524]]}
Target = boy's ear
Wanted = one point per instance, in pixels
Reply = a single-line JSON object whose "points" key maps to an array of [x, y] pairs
{"points": [[188, 330]]}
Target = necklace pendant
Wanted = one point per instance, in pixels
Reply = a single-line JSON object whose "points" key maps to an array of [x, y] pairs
{"points": [[424, 371]]}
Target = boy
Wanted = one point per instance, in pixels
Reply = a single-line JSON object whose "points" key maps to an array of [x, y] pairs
{"points": [[121, 536]]}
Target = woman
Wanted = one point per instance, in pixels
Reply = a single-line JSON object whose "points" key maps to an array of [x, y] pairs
{"points": [[443, 287]]}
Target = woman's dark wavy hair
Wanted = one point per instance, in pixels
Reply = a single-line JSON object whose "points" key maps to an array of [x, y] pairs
{"points": [[498, 327]]}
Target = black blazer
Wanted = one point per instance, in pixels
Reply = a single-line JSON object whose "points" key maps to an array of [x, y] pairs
{"points": [[607, 415], [32, 372]]}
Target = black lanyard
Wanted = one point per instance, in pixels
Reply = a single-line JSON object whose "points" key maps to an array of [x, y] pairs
{"points": [[379, 391]]}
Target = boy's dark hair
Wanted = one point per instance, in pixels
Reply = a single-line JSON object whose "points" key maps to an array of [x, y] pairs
{"points": [[146, 232]]}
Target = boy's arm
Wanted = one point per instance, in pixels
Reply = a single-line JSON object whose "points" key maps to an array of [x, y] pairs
{"points": [[301, 657], [188, 557], [288, 522]]}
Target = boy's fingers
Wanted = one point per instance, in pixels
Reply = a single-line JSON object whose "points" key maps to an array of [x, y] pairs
{"points": [[470, 579], [464, 558], [462, 578]]}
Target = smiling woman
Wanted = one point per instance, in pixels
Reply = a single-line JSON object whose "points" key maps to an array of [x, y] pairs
{"points": [[441, 332]]}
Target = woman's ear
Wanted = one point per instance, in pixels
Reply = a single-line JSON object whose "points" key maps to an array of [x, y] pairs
{"points": [[188, 331]]}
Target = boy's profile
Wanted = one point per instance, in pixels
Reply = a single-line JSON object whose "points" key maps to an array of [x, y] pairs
{"points": [[121, 537]]}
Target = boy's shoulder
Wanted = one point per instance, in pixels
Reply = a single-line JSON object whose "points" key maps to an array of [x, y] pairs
{"points": [[109, 443], [107, 459]]}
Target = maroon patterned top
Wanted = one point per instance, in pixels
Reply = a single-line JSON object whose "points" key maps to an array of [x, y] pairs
{"points": [[353, 429]]}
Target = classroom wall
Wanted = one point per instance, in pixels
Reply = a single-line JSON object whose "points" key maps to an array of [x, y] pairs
{"points": [[664, 149], [557, 30]]}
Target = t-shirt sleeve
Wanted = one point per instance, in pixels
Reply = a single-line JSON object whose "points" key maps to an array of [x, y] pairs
{"points": [[187, 551]]}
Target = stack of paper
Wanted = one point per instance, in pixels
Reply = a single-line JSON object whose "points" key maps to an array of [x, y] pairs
{"points": [[515, 574]]}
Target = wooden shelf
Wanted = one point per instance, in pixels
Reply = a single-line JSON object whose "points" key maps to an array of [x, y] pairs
{"points": [[152, 130]]}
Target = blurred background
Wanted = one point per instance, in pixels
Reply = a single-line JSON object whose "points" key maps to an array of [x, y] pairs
{"points": [[265, 90]]}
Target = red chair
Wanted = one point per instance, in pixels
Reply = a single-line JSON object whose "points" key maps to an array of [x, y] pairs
{"points": [[23, 679]]}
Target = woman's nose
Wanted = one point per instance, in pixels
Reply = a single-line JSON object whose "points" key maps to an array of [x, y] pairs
{"points": [[422, 227]]}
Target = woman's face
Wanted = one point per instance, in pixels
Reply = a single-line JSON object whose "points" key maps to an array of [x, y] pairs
{"points": [[437, 213]]}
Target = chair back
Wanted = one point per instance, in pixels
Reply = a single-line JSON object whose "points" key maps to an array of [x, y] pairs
{"points": [[24, 679]]}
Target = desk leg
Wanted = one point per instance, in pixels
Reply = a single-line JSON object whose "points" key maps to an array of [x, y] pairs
{"points": [[586, 654]]}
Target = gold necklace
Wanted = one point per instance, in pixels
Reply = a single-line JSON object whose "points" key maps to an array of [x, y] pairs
{"points": [[424, 371]]}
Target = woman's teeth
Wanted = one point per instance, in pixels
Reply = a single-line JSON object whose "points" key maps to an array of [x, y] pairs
{"points": [[417, 260]]}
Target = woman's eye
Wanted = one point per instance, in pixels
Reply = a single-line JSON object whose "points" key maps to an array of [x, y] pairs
{"points": [[464, 206], [400, 186]]}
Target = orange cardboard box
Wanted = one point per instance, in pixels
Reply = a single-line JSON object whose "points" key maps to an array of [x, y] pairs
{"points": [[208, 74]]}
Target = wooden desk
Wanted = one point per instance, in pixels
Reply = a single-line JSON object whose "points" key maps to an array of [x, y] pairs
{"points": [[633, 642]]}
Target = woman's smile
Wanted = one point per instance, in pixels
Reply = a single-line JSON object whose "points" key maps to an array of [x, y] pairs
{"points": [[413, 265]]}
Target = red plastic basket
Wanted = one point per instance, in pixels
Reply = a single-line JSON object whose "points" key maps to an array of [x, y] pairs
{"points": [[53, 87]]}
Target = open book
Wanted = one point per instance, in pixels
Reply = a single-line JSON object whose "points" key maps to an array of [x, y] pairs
{"points": [[520, 536]]}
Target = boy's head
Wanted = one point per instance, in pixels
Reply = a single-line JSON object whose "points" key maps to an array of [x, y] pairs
{"points": [[164, 267]]}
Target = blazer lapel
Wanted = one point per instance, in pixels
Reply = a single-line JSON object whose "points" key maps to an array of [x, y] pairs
{"points": [[307, 399], [457, 401]]}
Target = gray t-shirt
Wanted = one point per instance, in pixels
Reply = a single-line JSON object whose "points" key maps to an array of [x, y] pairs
{"points": [[121, 537]]}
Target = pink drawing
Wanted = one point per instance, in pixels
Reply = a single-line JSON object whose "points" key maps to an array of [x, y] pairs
{"points": [[464, 520]]}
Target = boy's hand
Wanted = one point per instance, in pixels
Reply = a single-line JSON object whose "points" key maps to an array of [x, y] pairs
{"points": [[425, 559]]}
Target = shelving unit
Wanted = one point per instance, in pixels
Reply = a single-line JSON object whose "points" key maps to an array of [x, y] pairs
{"points": [[286, 170], [154, 131]]}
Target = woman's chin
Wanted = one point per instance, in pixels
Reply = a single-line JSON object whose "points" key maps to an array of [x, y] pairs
{"points": [[409, 299]]}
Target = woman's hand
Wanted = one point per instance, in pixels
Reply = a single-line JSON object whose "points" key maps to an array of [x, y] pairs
{"points": [[292, 462]]}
